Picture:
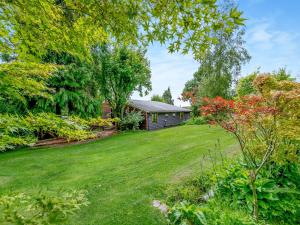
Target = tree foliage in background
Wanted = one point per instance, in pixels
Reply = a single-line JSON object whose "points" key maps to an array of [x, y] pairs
{"points": [[157, 98], [245, 84], [19, 80], [167, 96], [121, 71], [72, 88], [75, 88], [218, 69]]}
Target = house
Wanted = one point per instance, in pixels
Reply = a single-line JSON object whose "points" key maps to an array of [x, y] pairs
{"points": [[158, 114]]}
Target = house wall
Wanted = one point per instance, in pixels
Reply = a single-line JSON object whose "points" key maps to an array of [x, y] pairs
{"points": [[166, 120]]}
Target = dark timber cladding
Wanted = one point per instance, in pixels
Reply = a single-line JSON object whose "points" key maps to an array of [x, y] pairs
{"points": [[158, 114]]}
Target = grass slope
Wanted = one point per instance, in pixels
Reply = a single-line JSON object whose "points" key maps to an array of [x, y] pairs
{"points": [[122, 174]]}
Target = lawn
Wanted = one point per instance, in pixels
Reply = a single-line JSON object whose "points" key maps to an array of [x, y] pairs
{"points": [[122, 174]]}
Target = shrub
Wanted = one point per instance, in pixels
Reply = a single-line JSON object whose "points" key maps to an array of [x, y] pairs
{"points": [[102, 123], [183, 213], [41, 208], [199, 120], [26, 130], [215, 212], [15, 131], [191, 190], [47, 125], [131, 121], [277, 189]]}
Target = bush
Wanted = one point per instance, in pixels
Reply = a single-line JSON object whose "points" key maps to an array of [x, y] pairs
{"points": [[26, 130], [199, 120], [277, 189], [47, 125], [41, 208], [215, 212], [191, 190], [231, 202], [131, 121]]}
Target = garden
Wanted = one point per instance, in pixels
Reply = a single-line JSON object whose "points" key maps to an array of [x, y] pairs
{"points": [[235, 161]]}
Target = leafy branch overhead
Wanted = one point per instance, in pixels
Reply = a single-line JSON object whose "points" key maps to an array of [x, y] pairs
{"points": [[29, 28]]}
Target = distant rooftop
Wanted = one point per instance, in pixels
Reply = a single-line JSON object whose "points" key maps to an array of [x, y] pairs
{"points": [[153, 106]]}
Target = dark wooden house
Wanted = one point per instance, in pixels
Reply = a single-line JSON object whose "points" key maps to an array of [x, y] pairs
{"points": [[159, 115]]}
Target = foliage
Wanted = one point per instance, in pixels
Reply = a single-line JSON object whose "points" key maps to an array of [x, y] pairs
{"points": [[167, 96], [45, 125], [26, 130], [30, 28], [100, 122], [131, 121], [191, 190], [245, 84], [218, 69], [15, 131], [199, 120], [122, 71], [41, 208], [19, 79], [157, 98], [277, 191], [214, 212], [266, 125], [184, 213], [75, 88]]}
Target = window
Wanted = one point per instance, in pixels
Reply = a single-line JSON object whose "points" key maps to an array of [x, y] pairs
{"points": [[181, 115], [154, 117], [166, 115], [174, 114]]}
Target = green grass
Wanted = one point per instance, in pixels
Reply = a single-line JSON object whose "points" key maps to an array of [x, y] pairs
{"points": [[122, 174]]}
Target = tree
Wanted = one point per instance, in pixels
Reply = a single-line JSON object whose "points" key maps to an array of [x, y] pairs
{"points": [[221, 65], [167, 97], [72, 89], [29, 29], [266, 125], [245, 84], [157, 98], [216, 74], [121, 70], [18, 81]]}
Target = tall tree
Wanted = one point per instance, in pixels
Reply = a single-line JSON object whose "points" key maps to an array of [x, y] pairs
{"points": [[219, 69], [167, 96], [157, 98], [121, 71]]}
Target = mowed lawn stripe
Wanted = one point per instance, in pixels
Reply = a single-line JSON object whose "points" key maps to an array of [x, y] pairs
{"points": [[122, 174]]}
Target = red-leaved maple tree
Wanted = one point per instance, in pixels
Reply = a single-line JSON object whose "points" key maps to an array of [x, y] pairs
{"points": [[264, 124]]}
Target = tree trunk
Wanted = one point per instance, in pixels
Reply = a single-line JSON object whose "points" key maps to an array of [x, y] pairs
{"points": [[254, 194]]}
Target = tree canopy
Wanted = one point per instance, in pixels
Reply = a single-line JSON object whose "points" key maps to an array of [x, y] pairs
{"points": [[218, 69], [167, 96], [122, 70], [31, 27], [245, 84], [157, 98]]}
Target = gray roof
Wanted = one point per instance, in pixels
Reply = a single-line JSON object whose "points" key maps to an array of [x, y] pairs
{"points": [[153, 106]]}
